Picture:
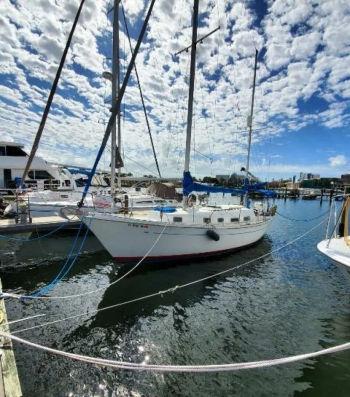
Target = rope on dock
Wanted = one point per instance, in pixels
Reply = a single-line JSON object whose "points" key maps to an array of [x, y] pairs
{"points": [[61, 226], [180, 368], [160, 293]]}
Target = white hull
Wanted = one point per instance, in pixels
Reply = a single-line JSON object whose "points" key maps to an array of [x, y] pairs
{"points": [[336, 249], [129, 239]]}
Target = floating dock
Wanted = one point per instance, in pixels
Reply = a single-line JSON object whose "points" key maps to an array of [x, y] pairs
{"points": [[9, 381], [47, 223]]}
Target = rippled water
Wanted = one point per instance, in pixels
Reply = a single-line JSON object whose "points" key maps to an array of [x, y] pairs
{"points": [[293, 301]]}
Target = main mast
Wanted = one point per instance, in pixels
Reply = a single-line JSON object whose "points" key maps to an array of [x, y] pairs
{"points": [[115, 93], [191, 87], [250, 117]]}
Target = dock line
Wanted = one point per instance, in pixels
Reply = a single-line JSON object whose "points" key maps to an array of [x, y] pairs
{"points": [[126, 365], [10, 295], [161, 293], [67, 266], [305, 219]]}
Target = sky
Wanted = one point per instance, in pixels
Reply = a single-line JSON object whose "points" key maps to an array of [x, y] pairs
{"points": [[302, 113]]}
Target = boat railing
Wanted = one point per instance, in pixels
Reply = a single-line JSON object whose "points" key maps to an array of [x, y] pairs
{"points": [[23, 212]]}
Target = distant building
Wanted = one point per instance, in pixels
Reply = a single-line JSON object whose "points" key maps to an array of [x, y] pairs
{"points": [[322, 183], [345, 178], [308, 176], [292, 185]]}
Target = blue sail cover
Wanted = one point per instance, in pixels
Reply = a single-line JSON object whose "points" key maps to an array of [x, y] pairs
{"points": [[79, 170], [190, 186]]}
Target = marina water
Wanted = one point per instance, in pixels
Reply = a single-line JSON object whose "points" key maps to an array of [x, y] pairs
{"points": [[290, 302]]}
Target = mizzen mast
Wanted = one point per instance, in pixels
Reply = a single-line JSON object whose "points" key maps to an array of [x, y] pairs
{"points": [[250, 117], [116, 131], [191, 87]]}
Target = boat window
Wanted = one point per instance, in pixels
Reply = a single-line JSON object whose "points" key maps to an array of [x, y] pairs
{"points": [[177, 219], [39, 174], [206, 220], [234, 219], [14, 151], [220, 219], [144, 202], [2, 151], [246, 218]]}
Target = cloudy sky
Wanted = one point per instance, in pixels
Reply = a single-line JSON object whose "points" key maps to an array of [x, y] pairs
{"points": [[301, 120]]}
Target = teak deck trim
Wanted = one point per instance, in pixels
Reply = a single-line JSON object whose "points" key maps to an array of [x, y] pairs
{"points": [[9, 381]]}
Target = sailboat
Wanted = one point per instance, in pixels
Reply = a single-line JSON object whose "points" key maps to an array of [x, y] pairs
{"points": [[337, 246], [189, 231], [103, 198]]}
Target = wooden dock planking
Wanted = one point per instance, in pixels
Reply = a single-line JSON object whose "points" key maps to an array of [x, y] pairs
{"points": [[9, 381], [9, 226]]}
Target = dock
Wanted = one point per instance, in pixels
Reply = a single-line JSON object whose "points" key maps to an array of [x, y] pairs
{"points": [[9, 381], [47, 223]]}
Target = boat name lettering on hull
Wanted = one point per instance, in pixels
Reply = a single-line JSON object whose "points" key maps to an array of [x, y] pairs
{"points": [[134, 225]]}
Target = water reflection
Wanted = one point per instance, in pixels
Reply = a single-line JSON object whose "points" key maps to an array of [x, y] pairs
{"points": [[18, 254], [149, 278], [290, 302]]}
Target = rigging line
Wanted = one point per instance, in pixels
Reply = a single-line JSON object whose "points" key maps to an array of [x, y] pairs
{"points": [[116, 107], [50, 98], [172, 289], [141, 95], [140, 165], [199, 41], [132, 366], [106, 286], [203, 155]]}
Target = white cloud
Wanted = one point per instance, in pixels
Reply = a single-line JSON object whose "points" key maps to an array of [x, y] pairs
{"points": [[33, 35], [337, 161], [304, 46]]}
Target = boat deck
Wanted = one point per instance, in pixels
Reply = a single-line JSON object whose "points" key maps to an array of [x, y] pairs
{"points": [[337, 250], [218, 215]]}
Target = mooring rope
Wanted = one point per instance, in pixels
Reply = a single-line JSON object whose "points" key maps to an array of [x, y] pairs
{"points": [[169, 290], [24, 319], [131, 366], [64, 269], [92, 291], [305, 219]]}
